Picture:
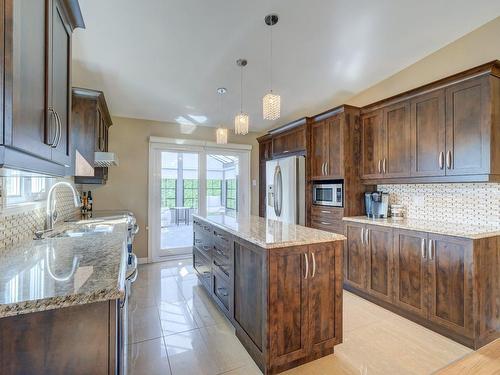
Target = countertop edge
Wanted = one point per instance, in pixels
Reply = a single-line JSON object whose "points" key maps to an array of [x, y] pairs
{"points": [[477, 236]]}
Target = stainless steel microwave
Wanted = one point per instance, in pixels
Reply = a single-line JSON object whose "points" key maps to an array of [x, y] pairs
{"points": [[328, 195]]}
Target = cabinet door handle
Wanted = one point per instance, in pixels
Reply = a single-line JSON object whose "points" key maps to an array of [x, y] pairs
{"points": [[53, 114], [363, 236], [367, 239], [422, 248], [314, 266], [380, 166], [448, 159], [327, 168], [431, 249], [441, 160], [59, 129], [307, 266], [383, 166]]}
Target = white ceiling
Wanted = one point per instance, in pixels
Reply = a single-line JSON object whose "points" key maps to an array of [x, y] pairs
{"points": [[164, 59]]}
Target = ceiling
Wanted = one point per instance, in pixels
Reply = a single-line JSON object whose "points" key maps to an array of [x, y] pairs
{"points": [[164, 59]]}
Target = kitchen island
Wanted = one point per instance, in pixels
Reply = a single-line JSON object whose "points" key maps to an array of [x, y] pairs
{"points": [[279, 284], [62, 300]]}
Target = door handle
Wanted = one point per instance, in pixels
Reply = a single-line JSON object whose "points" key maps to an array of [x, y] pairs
{"points": [[448, 159], [367, 239], [362, 236], [441, 160], [327, 168], [59, 129], [307, 266], [422, 248], [383, 165], [53, 114], [314, 266], [431, 249], [380, 166]]}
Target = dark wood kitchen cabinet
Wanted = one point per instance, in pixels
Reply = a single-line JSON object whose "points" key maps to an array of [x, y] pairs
{"points": [[452, 134], [91, 121], [446, 283], [289, 141], [36, 84], [285, 303], [428, 130], [327, 148]]}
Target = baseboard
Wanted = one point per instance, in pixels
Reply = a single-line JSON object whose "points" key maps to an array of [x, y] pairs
{"points": [[142, 260]]}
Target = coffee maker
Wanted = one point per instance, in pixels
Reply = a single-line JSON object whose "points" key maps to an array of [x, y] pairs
{"points": [[377, 204]]}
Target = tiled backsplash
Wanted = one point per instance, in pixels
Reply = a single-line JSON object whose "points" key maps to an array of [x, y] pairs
{"points": [[19, 223], [467, 203]]}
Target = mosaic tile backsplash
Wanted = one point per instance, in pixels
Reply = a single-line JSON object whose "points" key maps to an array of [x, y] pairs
{"points": [[19, 226], [467, 203]]}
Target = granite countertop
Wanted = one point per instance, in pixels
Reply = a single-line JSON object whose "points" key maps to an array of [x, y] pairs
{"points": [[436, 227], [268, 233], [46, 274]]}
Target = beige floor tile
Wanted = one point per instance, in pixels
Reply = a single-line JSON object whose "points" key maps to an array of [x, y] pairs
{"points": [[225, 348], [205, 312], [188, 354], [141, 297], [148, 357], [250, 369], [331, 365], [175, 317], [167, 290], [144, 324]]}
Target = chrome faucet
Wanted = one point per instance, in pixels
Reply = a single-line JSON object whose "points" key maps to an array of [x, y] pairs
{"points": [[51, 212]]}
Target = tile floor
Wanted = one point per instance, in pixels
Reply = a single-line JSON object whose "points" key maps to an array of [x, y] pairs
{"points": [[175, 329]]}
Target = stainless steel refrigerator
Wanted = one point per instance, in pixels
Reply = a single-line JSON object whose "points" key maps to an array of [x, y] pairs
{"points": [[285, 190]]}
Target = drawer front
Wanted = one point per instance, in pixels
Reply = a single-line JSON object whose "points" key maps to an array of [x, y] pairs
{"points": [[221, 290], [222, 241], [202, 266], [335, 226], [223, 265], [327, 213]]}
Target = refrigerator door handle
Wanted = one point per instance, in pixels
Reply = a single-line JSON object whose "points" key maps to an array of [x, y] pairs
{"points": [[278, 191]]}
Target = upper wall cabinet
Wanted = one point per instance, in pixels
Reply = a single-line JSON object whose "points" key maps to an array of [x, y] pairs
{"points": [[36, 84], [290, 141], [446, 131], [326, 151], [90, 128]]}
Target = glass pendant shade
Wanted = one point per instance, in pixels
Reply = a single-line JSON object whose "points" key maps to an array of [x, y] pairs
{"points": [[271, 104], [221, 135], [241, 122]]}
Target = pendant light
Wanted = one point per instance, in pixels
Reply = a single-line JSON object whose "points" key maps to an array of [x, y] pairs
{"points": [[221, 132], [241, 121], [271, 103]]}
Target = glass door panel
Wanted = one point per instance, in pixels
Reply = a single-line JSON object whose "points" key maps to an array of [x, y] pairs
{"points": [[222, 176], [179, 200]]}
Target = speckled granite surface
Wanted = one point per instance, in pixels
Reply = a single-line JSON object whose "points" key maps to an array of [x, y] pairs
{"points": [[268, 233], [449, 229], [60, 272]]}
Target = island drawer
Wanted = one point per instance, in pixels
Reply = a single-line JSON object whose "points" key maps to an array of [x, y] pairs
{"points": [[203, 267], [222, 240], [223, 265], [221, 290]]}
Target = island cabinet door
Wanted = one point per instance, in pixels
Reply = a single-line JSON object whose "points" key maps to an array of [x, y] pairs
{"points": [[325, 296], [289, 275], [355, 256], [450, 290], [379, 242], [410, 265]]}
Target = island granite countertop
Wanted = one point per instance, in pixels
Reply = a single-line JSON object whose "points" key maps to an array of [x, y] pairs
{"points": [[269, 233], [472, 232], [52, 273]]}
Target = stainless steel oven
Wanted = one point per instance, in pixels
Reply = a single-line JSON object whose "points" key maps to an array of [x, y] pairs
{"points": [[328, 194]]}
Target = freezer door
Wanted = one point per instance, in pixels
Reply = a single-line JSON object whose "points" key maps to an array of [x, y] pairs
{"points": [[283, 181]]}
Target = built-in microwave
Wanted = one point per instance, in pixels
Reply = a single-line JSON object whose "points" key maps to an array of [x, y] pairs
{"points": [[328, 194]]}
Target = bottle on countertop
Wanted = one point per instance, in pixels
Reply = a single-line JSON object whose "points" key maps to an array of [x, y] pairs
{"points": [[84, 203], [90, 201]]}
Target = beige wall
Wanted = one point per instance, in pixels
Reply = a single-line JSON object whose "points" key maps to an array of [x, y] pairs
{"points": [[476, 48], [127, 187]]}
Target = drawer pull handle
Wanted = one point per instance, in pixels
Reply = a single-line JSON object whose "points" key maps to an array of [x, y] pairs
{"points": [[325, 223], [223, 292], [326, 212]]}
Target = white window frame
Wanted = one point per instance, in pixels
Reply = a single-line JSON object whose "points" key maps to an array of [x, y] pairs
{"points": [[242, 151]]}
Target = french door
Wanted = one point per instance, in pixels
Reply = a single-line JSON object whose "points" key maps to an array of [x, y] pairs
{"points": [[187, 180]]}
